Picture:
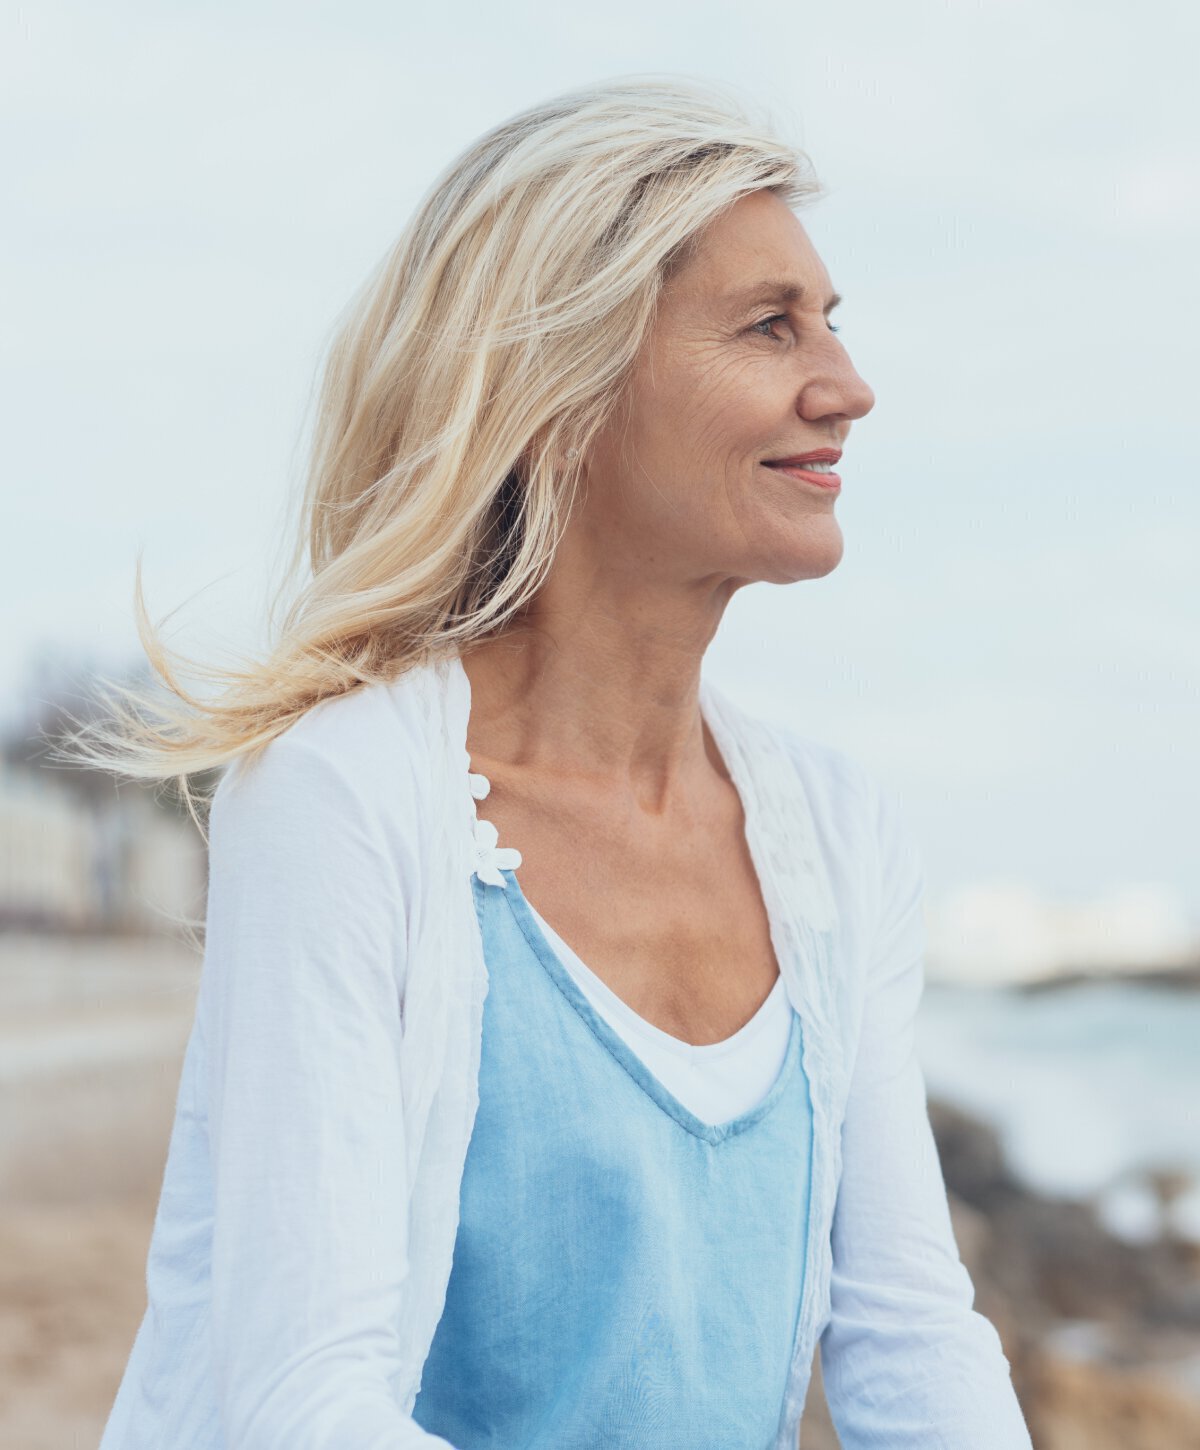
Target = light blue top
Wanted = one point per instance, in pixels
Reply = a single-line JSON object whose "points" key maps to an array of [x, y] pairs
{"points": [[624, 1273]]}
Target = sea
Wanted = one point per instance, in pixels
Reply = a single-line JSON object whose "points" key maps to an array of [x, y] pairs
{"points": [[1092, 1087]]}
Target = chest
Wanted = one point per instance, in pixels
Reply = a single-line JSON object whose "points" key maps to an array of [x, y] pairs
{"points": [[603, 1240], [668, 914]]}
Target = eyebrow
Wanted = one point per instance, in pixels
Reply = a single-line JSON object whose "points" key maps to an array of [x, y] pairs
{"points": [[774, 290]]}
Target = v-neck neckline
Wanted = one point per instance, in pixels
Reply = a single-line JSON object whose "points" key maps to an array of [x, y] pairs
{"points": [[693, 1052], [618, 1048]]}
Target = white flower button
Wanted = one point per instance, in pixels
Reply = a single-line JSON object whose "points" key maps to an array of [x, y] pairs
{"points": [[490, 858]]}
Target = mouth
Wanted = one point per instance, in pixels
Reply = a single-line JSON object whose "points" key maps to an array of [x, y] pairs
{"points": [[817, 472]]}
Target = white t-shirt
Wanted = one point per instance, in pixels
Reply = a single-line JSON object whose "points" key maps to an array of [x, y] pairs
{"points": [[718, 1080]]}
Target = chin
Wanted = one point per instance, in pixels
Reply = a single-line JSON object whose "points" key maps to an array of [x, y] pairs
{"points": [[810, 557]]}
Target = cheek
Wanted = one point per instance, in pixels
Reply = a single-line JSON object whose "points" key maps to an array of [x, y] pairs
{"points": [[716, 410]]}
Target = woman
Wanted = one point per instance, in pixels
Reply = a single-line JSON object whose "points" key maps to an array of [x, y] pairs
{"points": [[452, 1169]]}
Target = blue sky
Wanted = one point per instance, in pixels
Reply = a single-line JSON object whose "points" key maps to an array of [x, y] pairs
{"points": [[1012, 639]]}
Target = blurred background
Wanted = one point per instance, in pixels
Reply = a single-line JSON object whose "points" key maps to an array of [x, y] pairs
{"points": [[1011, 641]]}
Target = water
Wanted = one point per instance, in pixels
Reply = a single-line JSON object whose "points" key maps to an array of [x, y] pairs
{"points": [[1090, 1087]]}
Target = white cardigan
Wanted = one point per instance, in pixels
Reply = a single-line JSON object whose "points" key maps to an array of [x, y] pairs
{"points": [[309, 1209]]}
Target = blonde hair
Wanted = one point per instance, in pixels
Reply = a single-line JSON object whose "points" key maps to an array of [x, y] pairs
{"points": [[463, 384]]}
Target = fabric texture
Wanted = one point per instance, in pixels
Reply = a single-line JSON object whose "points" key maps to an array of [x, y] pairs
{"points": [[624, 1273], [305, 1234]]}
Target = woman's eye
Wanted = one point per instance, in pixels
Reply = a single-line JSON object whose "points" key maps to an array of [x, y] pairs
{"points": [[783, 317], [767, 321]]}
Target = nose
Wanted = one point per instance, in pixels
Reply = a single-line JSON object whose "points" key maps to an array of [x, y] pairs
{"points": [[834, 387]]}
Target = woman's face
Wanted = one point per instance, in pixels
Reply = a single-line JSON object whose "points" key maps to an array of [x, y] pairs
{"points": [[736, 371]]}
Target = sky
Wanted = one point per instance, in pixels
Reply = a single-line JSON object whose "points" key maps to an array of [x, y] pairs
{"points": [[1012, 638]]}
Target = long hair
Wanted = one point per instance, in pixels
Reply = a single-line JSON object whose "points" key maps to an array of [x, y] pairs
{"points": [[462, 386]]}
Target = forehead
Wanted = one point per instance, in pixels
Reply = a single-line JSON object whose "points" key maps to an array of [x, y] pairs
{"points": [[756, 251]]}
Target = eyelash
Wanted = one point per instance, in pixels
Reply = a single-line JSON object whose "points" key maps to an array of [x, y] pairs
{"points": [[783, 317]]}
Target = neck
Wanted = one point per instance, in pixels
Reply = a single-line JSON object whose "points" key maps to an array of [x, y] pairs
{"points": [[607, 688]]}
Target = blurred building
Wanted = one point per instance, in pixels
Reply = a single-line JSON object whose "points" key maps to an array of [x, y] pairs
{"points": [[86, 862]]}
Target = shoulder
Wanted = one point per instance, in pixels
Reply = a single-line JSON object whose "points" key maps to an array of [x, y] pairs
{"points": [[865, 806], [844, 788], [371, 728], [867, 840], [836, 782], [359, 760], [877, 831]]}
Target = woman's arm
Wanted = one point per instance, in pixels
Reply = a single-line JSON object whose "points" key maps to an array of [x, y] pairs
{"points": [[907, 1362], [306, 915]]}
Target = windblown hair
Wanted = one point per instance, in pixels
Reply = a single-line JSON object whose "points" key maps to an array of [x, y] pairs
{"points": [[462, 387]]}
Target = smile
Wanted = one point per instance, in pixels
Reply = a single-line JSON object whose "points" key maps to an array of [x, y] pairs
{"points": [[820, 475]]}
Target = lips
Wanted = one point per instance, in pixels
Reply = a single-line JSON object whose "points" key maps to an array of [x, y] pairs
{"points": [[826, 480], [798, 460]]}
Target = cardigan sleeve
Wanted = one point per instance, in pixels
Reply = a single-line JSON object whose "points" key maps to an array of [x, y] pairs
{"points": [[907, 1362], [300, 1009]]}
